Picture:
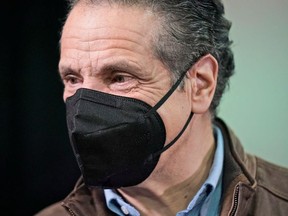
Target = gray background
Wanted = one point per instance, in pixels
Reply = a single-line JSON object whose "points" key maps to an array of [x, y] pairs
{"points": [[256, 104]]}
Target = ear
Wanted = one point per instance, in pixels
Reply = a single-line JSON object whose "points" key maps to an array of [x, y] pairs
{"points": [[203, 75]]}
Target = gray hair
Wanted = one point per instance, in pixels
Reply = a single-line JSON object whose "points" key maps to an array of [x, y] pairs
{"points": [[189, 30]]}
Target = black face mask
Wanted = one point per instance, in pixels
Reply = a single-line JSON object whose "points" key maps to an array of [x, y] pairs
{"points": [[117, 140]]}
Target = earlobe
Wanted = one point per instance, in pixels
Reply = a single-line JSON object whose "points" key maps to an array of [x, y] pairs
{"points": [[204, 75]]}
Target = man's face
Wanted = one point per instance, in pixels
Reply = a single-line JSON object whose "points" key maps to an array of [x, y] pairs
{"points": [[109, 49]]}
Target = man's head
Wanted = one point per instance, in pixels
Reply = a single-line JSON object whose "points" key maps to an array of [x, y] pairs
{"points": [[186, 30], [115, 52]]}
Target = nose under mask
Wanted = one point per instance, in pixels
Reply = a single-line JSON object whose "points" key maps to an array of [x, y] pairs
{"points": [[117, 141]]}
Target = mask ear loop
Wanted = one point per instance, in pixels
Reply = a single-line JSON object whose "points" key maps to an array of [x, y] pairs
{"points": [[156, 107], [166, 96], [156, 154]]}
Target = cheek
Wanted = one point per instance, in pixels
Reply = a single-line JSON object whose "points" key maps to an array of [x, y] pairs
{"points": [[70, 90], [174, 113], [64, 97], [66, 94]]}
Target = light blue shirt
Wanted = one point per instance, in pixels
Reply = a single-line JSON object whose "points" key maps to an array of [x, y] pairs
{"points": [[206, 202]]}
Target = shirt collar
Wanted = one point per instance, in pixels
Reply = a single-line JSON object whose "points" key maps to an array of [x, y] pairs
{"points": [[217, 166], [215, 175], [116, 204]]}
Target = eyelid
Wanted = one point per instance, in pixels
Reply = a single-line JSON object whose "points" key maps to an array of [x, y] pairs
{"points": [[125, 75], [65, 73], [67, 76]]}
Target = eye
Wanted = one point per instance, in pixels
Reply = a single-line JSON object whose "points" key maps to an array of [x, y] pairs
{"points": [[121, 82], [120, 78], [71, 79]]}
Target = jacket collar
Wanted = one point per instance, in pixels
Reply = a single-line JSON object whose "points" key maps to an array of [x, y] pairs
{"points": [[239, 183], [239, 172]]}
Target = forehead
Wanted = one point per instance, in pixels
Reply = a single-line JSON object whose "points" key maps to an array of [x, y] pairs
{"points": [[111, 16], [95, 36]]}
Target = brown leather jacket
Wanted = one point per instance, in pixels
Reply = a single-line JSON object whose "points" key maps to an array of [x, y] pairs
{"points": [[251, 186]]}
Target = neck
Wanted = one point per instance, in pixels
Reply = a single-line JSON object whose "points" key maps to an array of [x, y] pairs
{"points": [[170, 190]]}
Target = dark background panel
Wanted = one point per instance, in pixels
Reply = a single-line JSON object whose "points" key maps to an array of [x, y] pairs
{"points": [[36, 160]]}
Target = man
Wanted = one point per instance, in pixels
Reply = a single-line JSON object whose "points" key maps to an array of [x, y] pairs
{"points": [[143, 79]]}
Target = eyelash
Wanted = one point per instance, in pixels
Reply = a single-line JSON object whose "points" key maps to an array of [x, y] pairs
{"points": [[70, 78], [116, 80], [123, 78]]}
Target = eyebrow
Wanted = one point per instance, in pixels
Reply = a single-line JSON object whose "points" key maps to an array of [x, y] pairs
{"points": [[63, 70], [117, 65], [120, 66]]}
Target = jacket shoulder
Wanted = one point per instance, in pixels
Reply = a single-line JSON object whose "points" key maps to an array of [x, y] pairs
{"points": [[272, 178], [55, 209]]}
